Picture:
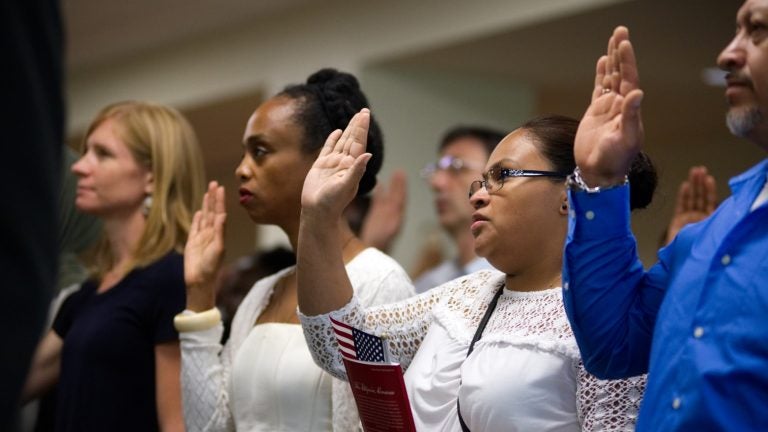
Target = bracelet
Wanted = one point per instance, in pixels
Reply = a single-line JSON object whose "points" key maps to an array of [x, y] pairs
{"points": [[575, 182], [189, 321]]}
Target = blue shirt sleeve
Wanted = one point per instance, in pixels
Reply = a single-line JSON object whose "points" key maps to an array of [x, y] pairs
{"points": [[610, 300]]}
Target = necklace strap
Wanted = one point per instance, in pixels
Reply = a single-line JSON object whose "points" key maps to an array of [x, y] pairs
{"points": [[475, 338], [486, 318]]}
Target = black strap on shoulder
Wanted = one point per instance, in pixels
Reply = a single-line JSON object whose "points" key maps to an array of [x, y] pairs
{"points": [[475, 338]]}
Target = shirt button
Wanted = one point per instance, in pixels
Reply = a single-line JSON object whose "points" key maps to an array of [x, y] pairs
{"points": [[590, 215], [726, 259], [565, 285], [676, 403], [698, 332]]}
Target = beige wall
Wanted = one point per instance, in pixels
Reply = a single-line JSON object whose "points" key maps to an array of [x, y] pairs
{"points": [[220, 127]]}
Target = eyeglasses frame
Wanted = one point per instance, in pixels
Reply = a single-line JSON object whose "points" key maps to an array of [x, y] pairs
{"points": [[509, 173]]}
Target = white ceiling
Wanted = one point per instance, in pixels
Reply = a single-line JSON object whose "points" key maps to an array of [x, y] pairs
{"points": [[100, 31]]}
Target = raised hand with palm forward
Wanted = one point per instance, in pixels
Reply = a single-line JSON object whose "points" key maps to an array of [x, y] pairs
{"points": [[611, 132]]}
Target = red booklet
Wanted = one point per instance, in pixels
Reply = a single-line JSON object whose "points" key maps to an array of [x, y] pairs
{"points": [[380, 395]]}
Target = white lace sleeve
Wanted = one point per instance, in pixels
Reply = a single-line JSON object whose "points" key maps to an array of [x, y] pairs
{"points": [[608, 405], [377, 279], [404, 324], [204, 378]]}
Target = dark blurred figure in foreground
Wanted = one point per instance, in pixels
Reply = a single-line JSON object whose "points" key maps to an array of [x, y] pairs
{"points": [[32, 121]]}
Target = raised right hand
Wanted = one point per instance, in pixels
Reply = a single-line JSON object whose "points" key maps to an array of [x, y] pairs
{"points": [[611, 132], [333, 180], [204, 250]]}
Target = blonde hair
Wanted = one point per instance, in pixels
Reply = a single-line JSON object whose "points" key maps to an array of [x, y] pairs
{"points": [[163, 141]]}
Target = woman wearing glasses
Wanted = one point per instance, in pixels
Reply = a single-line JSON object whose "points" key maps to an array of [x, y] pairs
{"points": [[264, 379], [524, 372]]}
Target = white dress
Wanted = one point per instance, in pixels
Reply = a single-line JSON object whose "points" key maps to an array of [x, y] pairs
{"points": [[264, 379], [525, 373]]}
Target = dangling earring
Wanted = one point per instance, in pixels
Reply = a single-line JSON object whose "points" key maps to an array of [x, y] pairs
{"points": [[146, 205]]}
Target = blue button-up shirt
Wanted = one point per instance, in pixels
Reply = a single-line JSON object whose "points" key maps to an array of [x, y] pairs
{"points": [[697, 321]]}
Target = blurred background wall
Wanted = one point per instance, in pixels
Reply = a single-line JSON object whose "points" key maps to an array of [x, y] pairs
{"points": [[426, 65]]}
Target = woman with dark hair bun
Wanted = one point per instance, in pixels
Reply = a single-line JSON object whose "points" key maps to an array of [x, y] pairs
{"points": [[329, 99], [491, 351], [264, 377]]}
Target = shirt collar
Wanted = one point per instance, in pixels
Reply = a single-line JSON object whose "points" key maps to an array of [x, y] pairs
{"points": [[753, 180], [756, 173]]}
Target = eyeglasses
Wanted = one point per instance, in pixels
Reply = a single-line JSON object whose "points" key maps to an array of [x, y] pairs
{"points": [[449, 164], [494, 178]]}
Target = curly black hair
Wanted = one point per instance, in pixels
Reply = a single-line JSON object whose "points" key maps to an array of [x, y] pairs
{"points": [[327, 101]]}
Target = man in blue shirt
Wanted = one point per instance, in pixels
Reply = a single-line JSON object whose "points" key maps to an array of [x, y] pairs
{"points": [[697, 321]]}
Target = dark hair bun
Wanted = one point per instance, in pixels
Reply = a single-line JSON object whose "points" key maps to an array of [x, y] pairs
{"points": [[330, 100], [643, 180]]}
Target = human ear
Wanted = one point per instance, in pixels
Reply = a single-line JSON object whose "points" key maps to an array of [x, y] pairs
{"points": [[149, 183]]}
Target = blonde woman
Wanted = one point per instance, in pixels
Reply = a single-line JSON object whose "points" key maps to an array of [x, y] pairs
{"points": [[113, 349]]}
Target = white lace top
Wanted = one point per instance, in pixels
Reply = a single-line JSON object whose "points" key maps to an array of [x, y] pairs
{"points": [[525, 373], [213, 401]]}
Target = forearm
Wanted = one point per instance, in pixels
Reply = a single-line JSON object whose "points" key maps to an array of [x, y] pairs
{"points": [[46, 365], [204, 375], [610, 301], [200, 297], [321, 338], [40, 380], [323, 282], [403, 325]]}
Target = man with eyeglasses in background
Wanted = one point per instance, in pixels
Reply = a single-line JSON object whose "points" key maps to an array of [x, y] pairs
{"points": [[464, 150]]}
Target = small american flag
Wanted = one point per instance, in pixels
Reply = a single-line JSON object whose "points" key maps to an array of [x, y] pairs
{"points": [[359, 345]]}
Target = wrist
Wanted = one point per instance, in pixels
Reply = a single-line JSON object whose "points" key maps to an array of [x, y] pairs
{"points": [[200, 299], [191, 321], [319, 222], [594, 183]]}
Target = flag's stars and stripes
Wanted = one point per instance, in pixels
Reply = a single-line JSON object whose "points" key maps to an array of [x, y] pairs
{"points": [[357, 344]]}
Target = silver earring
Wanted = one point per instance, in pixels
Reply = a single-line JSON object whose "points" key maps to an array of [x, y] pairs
{"points": [[146, 205]]}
